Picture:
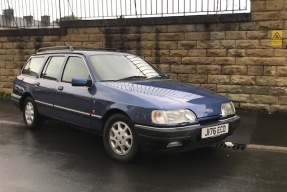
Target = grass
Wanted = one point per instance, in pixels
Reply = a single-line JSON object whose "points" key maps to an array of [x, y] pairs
{"points": [[4, 96]]}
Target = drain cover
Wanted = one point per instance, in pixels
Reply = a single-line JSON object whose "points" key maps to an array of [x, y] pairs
{"points": [[236, 146]]}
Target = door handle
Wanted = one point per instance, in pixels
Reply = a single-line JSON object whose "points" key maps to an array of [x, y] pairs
{"points": [[37, 83], [60, 88]]}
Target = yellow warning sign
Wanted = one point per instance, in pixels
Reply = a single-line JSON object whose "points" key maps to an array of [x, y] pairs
{"points": [[276, 38]]}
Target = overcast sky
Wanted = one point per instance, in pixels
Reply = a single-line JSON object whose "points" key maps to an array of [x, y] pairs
{"points": [[95, 9]]}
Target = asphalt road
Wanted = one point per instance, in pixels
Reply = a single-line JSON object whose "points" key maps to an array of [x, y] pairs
{"points": [[61, 158]]}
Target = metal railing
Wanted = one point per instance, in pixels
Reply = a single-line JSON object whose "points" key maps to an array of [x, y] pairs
{"points": [[49, 13]]}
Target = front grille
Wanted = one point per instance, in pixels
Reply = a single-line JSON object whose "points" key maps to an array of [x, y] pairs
{"points": [[208, 121]]}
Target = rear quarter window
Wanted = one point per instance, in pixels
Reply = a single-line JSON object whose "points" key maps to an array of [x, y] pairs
{"points": [[33, 66]]}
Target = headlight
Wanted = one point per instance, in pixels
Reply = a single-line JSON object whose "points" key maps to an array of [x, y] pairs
{"points": [[227, 109], [172, 116]]}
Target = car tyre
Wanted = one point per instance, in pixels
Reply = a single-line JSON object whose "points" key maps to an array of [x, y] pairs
{"points": [[119, 138], [32, 118]]}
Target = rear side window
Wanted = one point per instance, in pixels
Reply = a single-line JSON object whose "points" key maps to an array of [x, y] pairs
{"points": [[75, 67], [33, 66], [52, 68]]}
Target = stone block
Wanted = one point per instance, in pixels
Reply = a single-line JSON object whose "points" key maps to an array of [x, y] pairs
{"points": [[219, 79], [186, 45], [279, 108], [282, 71], [236, 53], [265, 16], [182, 68], [258, 6], [97, 37], [158, 53], [211, 87], [170, 60], [243, 80], [270, 25], [224, 61], [208, 44], [247, 44], [72, 31], [247, 26], [205, 27], [230, 89], [176, 28], [208, 69], [198, 60], [197, 53], [239, 97], [178, 53], [90, 30], [278, 91], [167, 45], [197, 79], [280, 52], [234, 70], [257, 35], [260, 90], [227, 27], [270, 70], [271, 81], [275, 5], [196, 36], [190, 27], [255, 70], [261, 61], [266, 44], [171, 37], [216, 53], [227, 44], [236, 35], [182, 77], [260, 52], [52, 38], [283, 100], [264, 99], [217, 35], [165, 68], [8, 45], [149, 36]]}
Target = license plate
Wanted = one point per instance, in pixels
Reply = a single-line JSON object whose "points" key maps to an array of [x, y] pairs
{"points": [[214, 131]]}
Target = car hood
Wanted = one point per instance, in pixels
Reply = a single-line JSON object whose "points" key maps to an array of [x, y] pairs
{"points": [[168, 94]]}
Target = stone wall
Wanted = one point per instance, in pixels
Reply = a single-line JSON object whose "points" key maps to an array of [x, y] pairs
{"points": [[236, 59]]}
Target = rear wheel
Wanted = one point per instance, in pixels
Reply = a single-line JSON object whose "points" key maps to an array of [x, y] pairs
{"points": [[32, 118], [119, 138]]}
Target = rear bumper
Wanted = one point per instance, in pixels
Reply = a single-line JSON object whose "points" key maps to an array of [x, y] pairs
{"points": [[157, 139]]}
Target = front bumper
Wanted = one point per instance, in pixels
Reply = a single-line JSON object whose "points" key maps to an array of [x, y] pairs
{"points": [[157, 139]]}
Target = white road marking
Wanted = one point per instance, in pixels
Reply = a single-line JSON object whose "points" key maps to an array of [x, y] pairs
{"points": [[267, 148], [10, 122]]}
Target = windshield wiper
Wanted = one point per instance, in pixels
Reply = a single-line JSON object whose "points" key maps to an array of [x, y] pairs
{"points": [[132, 77], [159, 77]]}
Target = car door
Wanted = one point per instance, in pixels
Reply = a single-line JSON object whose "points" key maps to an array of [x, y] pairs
{"points": [[73, 104], [45, 86]]}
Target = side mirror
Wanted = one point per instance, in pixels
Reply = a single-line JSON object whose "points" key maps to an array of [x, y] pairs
{"points": [[81, 82]]}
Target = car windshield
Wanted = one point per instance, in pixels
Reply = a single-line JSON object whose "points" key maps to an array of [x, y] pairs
{"points": [[117, 67]]}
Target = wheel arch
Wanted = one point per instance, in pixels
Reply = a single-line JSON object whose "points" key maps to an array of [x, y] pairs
{"points": [[110, 113], [22, 100]]}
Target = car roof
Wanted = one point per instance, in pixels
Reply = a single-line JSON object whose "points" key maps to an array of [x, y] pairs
{"points": [[76, 50]]}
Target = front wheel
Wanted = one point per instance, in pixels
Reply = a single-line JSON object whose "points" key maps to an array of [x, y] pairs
{"points": [[32, 118], [119, 138]]}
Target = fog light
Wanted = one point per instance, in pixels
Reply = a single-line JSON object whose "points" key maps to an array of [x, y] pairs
{"points": [[174, 144]]}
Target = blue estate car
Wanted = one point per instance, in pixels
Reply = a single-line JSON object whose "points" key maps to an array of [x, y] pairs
{"points": [[123, 98]]}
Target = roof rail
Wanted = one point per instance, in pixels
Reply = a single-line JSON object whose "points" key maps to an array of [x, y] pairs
{"points": [[71, 48]]}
